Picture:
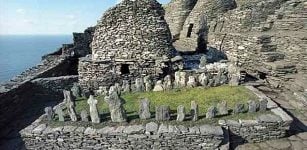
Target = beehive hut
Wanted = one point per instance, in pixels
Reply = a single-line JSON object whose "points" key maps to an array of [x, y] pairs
{"points": [[131, 40]]}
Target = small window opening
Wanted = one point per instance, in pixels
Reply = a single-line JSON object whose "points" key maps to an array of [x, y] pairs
{"points": [[124, 69], [190, 30]]}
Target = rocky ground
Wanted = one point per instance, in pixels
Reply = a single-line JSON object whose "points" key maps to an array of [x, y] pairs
{"points": [[297, 139]]}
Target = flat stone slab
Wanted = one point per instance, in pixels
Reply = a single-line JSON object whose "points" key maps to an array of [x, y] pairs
{"points": [[269, 118], [271, 104], [211, 130], [281, 113]]}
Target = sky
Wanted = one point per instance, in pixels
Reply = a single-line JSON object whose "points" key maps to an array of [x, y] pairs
{"points": [[54, 17]]}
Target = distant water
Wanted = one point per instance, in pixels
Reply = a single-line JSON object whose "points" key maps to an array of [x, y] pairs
{"points": [[19, 52]]}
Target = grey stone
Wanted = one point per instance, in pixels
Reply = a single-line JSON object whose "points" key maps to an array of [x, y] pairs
{"points": [[126, 86], [70, 105], [173, 129], [211, 113], [84, 116], [134, 129], [59, 112], [239, 108], [39, 129], [92, 102], [279, 144], [158, 86], [152, 127], [148, 83], [303, 135], [211, 130], [144, 112], [163, 129], [183, 129], [191, 82], [203, 79], [177, 79], [162, 113], [49, 113], [139, 85], [167, 84], [194, 110], [252, 106], [263, 105], [267, 118], [76, 90], [222, 108], [106, 130], [117, 111], [90, 131], [69, 129], [194, 130], [183, 79], [180, 113], [234, 74], [203, 62]]}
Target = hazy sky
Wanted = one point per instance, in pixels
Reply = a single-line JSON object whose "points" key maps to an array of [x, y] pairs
{"points": [[51, 16]]}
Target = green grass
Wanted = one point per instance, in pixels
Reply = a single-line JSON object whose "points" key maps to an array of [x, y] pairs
{"points": [[205, 97]]}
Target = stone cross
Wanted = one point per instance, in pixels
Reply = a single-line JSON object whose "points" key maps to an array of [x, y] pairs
{"points": [[76, 90], [49, 113], [180, 113], [70, 105], [92, 102], [84, 116], [239, 108], [203, 79], [158, 86], [211, 113], [59, 112], [163, 113], [144, 112], [263, 105], [192, 82], [139, 85], [194, 110], [126, 86], [222, 108], [117, 111], [148, 83], [168, 83], [252, 106]]}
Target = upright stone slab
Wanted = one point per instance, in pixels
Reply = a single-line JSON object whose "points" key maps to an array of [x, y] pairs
{"points": [[158, 87], [191, 82], [76, 90], [144, 112], [163, 113], [118, 88], [70, 105], [252, 106], [222, 108], [180, 113], [139, 85], [203, 62], [239, 108], [211, 113], [92, 102], [194, 110], [49, 113], [117, 111], [59, 112], [84, 116], [148, 83], [126, 86], [203, 79], [102, 90], [263, 105], [234, 75], [183, 79], [177, 79], [167, 83]]}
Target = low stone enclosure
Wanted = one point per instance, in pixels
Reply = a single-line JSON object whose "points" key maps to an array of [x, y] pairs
{"points": [[161, 133]]}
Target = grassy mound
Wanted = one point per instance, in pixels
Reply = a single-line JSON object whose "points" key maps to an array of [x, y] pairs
{"points": [[205, 97]]}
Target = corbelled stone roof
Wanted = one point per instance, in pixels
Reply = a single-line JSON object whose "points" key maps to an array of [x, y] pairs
{"points": [[132, 30]]}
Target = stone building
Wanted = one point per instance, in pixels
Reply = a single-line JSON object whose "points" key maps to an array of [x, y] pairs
{"points": [[131, 40], [194, 30]]}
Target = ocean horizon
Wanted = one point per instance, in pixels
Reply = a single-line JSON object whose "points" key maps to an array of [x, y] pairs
{"points": [[19, 52]]}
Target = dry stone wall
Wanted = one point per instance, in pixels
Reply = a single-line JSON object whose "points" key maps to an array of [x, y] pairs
{"points": [[149, 136]]}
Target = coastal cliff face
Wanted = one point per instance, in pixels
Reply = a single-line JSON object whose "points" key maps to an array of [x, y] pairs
{"points": [[267, 39]]}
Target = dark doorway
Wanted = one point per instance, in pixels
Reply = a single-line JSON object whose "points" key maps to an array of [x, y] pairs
{"points": [[262, 75], [190, 30], [124, 69]]}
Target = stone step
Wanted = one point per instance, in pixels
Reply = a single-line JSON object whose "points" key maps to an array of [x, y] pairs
{"points": [[272, 56]]}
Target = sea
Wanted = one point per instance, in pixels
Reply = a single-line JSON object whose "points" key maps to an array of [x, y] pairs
{"points": [[19, 52]]}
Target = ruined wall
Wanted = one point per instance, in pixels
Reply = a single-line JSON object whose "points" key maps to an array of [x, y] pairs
{"points": [[149, 136], [56, 84]]}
